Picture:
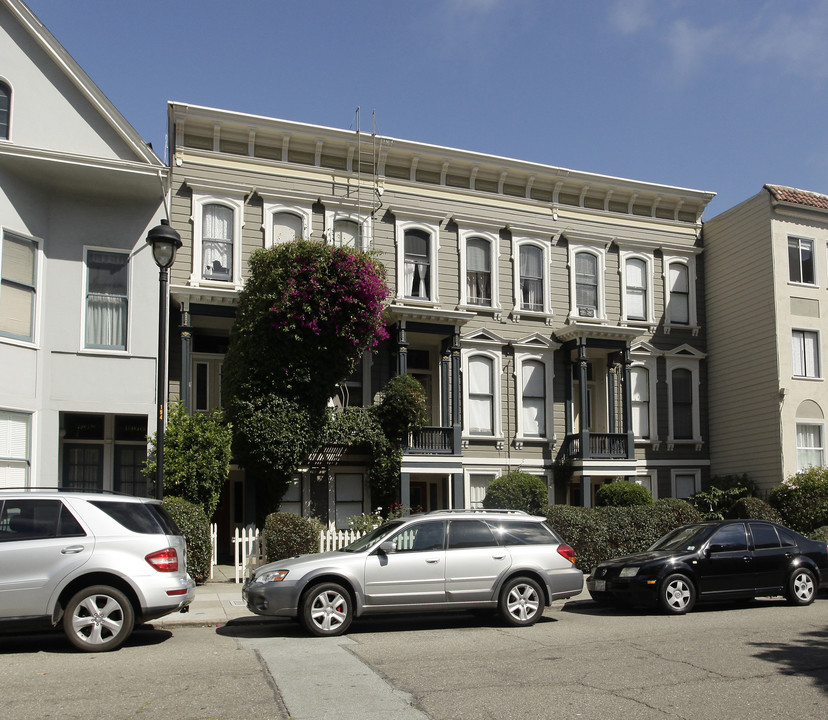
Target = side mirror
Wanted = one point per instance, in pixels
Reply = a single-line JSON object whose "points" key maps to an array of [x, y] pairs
{"points": [[388, 547]]}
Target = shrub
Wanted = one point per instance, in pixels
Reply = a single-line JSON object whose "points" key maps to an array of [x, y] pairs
{"points": [[598, 534], [195, 527], [820, 533], [517, 491], [622, 494], [752, 508], [714, 502], [802, 500], [287, 534]]}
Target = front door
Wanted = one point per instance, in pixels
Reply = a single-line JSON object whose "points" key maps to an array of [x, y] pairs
{"points": [[412, 574]]}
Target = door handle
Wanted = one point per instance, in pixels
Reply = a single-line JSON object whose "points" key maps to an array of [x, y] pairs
{"points": [[432, 561], [499, 557], [72, 550], [746, 558]]}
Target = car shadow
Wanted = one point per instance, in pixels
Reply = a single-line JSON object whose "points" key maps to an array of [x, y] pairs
{"points": [[55, 642], [251, 628], [590, 607]]}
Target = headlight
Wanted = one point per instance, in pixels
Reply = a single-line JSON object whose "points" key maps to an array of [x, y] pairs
{"points": [[629, 571], [272, 576]]}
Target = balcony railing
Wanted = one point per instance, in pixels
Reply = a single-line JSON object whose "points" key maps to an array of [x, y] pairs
{"points": [[614, 446], [431, 441]]}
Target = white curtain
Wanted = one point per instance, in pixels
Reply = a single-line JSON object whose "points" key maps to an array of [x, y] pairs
{"points": [[481, 396], [531, 278], [805, 354], [106, 300], [478, 272], [478, 485], [640, 392], [287, 227], [346, 234], [534, 399], [809, 446]]}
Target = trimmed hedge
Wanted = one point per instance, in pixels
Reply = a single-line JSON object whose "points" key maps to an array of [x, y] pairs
{"points": [[598, 534], [622, 493], [287, 534], [752, 508], [517, 491], [195, 527]]}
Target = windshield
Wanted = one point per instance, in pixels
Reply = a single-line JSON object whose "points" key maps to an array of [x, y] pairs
{"points": [[685, 539], [371, 537]]}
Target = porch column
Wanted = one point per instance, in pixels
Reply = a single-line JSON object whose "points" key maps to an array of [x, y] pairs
{"points": [[402, 350], [405, 489], [612, 381], [583, 392], [456, 422], [586, 491], [627, 387], [458, 499], [186, 358], [445, 389]]}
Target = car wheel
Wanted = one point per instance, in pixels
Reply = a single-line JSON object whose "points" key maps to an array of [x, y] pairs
{"points": [[677, 594], [802, 587], [326, 610], [98, 618], [521, 602]]}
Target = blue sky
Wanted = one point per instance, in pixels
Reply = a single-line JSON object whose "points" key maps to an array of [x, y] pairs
{"points": [[707, 94]]}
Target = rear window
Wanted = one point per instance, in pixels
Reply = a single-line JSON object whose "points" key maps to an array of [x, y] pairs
{"points": [[524, 533], [143, 518]]}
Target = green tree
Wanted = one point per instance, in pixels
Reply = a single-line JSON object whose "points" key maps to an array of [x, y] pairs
{"points": [[517, 491], [196, 456], [305, 317]]}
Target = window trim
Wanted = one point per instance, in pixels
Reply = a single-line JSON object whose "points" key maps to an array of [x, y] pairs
{"points": [[432, 229], [493, 238], [96, 349], [675, 472], [271, 208], [817, 346], [476, 471], [812, 423], [689, 260], [235, 203], [691, 365], [547, 361], [648, 364], [518, 310], [625, 256], [497, 411], [598, 248], [38, 280], [335, 214]]}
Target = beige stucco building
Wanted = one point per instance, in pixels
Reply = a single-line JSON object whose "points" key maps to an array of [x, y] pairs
{"points": [[766, 276]]}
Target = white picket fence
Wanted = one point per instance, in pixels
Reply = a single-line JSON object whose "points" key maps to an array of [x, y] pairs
{"points": [[249, 552]]}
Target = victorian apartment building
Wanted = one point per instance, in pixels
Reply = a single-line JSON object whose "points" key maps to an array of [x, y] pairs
{"points": [[766, 322], [554, 317], [78, 287]]}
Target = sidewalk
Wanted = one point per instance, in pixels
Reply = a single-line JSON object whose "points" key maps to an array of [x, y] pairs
{"points": [[216, 602], [219, 600]]}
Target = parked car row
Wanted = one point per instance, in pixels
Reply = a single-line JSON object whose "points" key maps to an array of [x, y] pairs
{"points": [[517, 564], [93, 564]]}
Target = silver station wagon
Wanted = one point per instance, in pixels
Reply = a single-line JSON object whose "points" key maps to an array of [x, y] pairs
{"points": [[443, 560]]}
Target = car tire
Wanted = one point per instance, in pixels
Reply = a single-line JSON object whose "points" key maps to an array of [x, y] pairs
{"points": [[677, 594], [521, 602], [98, 619], [327, 610], [802, 587]]}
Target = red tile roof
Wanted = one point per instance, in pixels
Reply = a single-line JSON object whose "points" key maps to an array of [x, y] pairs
{"points": [[799, 197]]}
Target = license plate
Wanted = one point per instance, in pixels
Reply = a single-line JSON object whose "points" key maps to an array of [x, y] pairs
{"points": [[600, 585]]}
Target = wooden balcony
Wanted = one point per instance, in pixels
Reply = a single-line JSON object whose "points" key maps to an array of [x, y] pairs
{"points": [[613, 446], [432, 441]]}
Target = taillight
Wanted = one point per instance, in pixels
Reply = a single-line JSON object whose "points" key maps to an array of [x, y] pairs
{"points": [[164, 560], [567, 552]]}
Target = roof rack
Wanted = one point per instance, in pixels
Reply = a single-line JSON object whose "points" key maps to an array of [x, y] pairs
{"points": [[90, 491], [478, 510]]}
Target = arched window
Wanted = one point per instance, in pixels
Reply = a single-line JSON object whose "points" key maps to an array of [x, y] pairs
{"points": [[217, 242], [346, 234], [481, 396], [287, 227], [678, 307], [479, 272], [5, 110], [531, 278], [417, 264], [636, 291]]}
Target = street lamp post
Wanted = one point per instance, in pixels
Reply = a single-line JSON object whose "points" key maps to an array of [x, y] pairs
{"points": [[164, 242]]}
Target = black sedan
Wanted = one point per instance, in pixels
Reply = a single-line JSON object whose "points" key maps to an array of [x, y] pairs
{"points": [[715, 560]]}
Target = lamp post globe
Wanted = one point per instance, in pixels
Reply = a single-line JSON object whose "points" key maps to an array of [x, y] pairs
{"points": [[164, 242]]}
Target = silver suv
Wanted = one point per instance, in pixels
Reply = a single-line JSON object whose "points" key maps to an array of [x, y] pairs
{"points": [[94, 563], [443, 560]]}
